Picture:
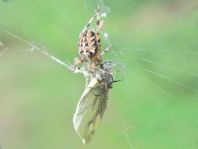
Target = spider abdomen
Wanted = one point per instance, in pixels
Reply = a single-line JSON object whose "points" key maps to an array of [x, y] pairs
{"points": [[89, 43]]}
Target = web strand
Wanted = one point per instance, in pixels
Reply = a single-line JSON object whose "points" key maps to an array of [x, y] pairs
{"points": [[34, 47]]}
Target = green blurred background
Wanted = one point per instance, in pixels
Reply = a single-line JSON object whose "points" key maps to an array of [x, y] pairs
{"points": [[154, 107]]}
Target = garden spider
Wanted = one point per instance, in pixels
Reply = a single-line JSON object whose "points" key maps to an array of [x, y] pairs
{"points": [[89, 44]]}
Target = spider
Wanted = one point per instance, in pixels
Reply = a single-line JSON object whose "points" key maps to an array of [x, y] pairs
{"points": [[89, 44]]}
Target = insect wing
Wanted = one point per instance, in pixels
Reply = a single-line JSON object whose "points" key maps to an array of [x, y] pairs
{"points": [[90, 109]]}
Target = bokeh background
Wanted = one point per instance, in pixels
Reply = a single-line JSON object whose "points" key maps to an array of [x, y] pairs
{"points": [[154, 107]]}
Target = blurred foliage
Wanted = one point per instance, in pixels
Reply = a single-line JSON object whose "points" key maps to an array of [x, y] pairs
{"points": [[155, 106]]}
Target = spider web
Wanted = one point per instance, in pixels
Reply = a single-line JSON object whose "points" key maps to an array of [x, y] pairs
{"points": [[158, 78]]}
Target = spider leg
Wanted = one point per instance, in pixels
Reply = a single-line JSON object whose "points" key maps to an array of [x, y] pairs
{"points": [[106, 50], [99, 21], [75, 66], [89, 22]]}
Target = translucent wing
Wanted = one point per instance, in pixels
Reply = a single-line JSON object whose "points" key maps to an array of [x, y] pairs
{"points": [[90, 109]]}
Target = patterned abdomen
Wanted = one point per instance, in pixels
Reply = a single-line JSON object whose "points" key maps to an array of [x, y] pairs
{"points": [[89, 44]]}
